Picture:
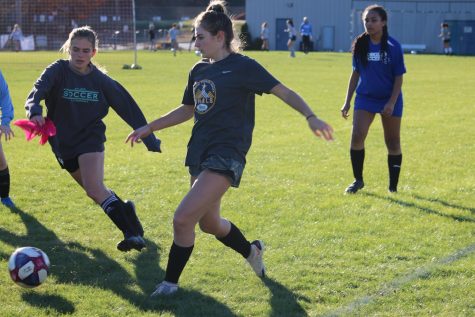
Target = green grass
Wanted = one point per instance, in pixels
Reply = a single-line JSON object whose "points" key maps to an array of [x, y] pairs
{"points": [[371, 254]]}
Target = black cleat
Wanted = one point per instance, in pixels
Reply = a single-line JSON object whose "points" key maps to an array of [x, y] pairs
{"points": [[354, 187], [392, 189], [132, 242]]}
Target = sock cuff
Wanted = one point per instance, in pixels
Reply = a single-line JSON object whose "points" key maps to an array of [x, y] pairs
{"points": [[109, 200], [181, 249], [230, 233]]}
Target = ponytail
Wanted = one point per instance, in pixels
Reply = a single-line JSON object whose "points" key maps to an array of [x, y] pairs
{"points": [[216, 19]]}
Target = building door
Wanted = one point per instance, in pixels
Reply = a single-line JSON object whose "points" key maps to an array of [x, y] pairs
{"points": [[462, 38], [281, 37], [328, 38]]}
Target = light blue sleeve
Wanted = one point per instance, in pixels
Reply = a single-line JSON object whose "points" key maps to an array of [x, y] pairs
{"points": [[5, 102]]}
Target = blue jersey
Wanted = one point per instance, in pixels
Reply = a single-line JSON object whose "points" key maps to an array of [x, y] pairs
{"points": [[377, 77], [77, 104], [223, 97], [5, 102], [306, 29]]}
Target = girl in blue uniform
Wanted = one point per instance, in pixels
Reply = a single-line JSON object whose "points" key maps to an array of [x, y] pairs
{"points": [[220, 95], [77, 96], [378, 67], [7, 115]]}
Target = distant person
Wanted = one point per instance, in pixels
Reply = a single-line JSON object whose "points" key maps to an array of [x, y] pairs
{"points": [[445, 36], [378, 68], [173, 36], [265, 36], [220, 96], [6, 107], [16, 36], [292, 37], [77, 96], [152, 37], [306, 34]]}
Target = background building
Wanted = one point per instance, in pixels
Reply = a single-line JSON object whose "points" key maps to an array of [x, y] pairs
{"points": [[415, 23]]}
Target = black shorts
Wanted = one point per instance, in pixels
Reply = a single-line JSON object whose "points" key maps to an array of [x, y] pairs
{"points": [[228, 167], [71, 165], [447, 41], [293, 38]]}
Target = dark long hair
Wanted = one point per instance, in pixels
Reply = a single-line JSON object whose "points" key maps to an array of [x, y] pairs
{"points": [[360, 46]]}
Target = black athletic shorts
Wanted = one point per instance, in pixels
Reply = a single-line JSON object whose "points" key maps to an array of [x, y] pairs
{"points": [[228, 167], [71, 165]]}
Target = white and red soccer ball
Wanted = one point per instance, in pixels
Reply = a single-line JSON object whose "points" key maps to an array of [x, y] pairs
{"points": [[28, 266]]}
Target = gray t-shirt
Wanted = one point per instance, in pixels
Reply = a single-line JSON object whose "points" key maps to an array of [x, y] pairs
{"points": [[77, 104]]}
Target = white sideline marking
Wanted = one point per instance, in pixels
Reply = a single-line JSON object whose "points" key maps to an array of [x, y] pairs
{"points": [[399, 282]]}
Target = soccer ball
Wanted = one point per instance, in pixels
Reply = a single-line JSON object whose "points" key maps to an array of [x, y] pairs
{"points": [[28, 266]]}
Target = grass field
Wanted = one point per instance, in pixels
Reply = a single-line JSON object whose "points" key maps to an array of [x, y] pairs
{"points": [[328, 254]]}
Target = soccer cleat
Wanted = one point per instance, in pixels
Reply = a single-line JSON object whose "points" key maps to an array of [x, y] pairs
{"points": [[392, 189], [132, 217], [255, 258], [165, 288], [131, 242], [355, 186], [8, 202]]}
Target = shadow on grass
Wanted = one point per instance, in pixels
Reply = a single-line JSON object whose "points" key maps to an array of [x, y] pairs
{"points": [[73, 263], [445, 203], [283, 301], [49, 302], [426, 209]]}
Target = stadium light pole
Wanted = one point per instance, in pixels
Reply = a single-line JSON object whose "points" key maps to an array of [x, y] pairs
{"points": [[134, 65]]}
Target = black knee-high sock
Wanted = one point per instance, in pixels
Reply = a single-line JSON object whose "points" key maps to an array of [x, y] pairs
{"points": [[394, 165], [131, 217], [4, 183], [357, 160], [113, 208], [177, 260], [236, 241]]}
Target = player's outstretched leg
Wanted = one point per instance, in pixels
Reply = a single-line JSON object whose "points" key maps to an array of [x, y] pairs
{"points": [[251, 251], [114, 208]]}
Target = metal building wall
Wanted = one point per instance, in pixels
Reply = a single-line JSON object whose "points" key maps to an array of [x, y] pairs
{"points": [[418, 22], [320, 13], [410, 21]]}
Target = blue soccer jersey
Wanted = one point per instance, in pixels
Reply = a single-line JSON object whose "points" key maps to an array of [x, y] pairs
{"points": [[377, 77], [223, 96]]}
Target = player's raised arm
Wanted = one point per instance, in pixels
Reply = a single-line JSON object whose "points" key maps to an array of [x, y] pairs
{"points": [[318, 126], [179, 115]]}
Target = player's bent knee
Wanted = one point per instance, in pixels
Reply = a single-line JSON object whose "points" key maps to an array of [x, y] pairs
{"points": [[181, 223]]}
